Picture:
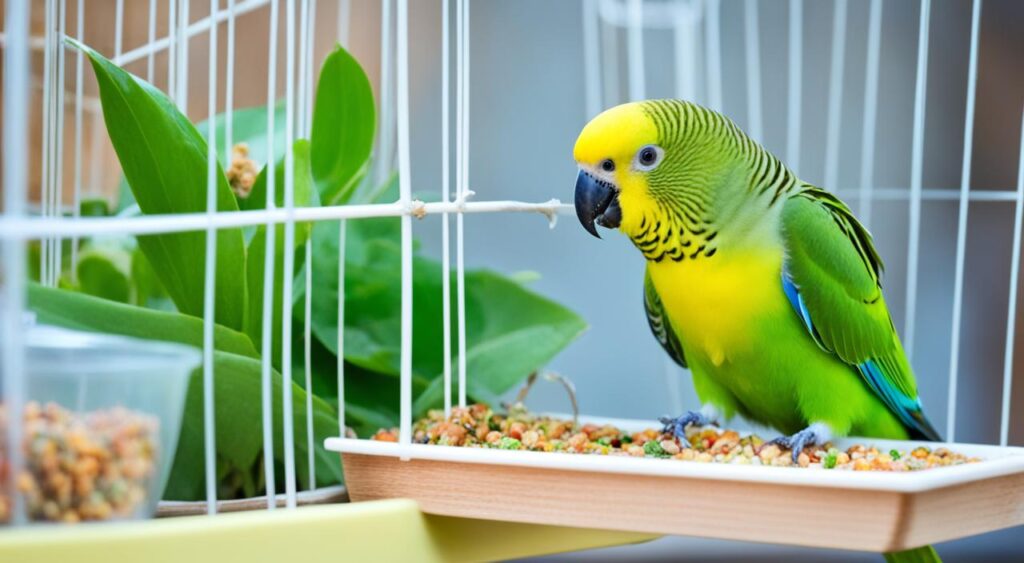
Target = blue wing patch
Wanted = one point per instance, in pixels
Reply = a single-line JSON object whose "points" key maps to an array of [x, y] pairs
{"points": [[793, 295], [907, 409], [897, 402]]}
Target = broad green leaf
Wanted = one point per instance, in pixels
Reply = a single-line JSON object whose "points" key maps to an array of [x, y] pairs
{"points": [[239, 435], [304, 195], [103, 271], [165, 162], [83, 312], [343, 127]]}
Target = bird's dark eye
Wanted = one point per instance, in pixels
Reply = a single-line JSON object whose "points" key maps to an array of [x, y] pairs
{"points": [[607, 165], [648, 157]]}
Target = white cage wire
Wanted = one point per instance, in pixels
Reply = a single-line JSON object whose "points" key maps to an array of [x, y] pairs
{"points": [[695, 26]]}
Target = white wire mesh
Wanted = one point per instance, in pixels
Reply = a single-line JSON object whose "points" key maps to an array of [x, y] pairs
{"points": [[602, 21]]}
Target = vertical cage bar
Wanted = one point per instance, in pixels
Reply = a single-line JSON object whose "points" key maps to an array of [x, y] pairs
{"points": [[610, 47], [462, 154], [916, 169], [229, 86], [342, 32], [307, 321], [684, 35], [342, 227], [16, 89], [752, 43], [44, 191], [635, 51], [182, 79], [795, 88], [300, 96], [867, 144], [172, 50], [961, 224], [384, 137], [405, 194], [1011, 308], [76, 210], [267, 340], [310, 67], [712, 37], [835, 95], [150, 38], [209, 281], [58, 149], [307, 360], [591, 56], [446, 295], [288, 266], [119, 28], [344, 15], [305, 105]]}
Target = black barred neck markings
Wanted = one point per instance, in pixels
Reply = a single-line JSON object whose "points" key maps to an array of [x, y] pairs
{"points": [[670, 240]]}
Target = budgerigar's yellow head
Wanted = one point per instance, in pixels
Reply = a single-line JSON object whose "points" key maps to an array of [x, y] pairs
{"points": [[666, 173], [608, 152]]}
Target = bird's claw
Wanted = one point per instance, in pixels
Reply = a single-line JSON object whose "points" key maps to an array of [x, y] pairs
{"points": [[797, 442], [677, 425]]}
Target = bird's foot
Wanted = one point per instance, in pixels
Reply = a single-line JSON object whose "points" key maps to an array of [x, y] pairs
{"points": [[677, 425], [814, 435]]}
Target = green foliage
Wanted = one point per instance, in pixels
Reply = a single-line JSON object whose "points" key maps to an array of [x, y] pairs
{"points": [[165, 162], [512, 331], [342, 135], [83, 312]]}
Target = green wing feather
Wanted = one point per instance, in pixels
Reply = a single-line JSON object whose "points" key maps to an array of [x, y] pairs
{"points": [[660, 325], [832, 278]]}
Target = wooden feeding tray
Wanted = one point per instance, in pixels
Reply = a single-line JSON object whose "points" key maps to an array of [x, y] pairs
{"points": [[859, 510]]}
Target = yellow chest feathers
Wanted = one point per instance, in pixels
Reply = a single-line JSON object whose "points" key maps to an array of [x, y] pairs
{"points": [[715, 303]]}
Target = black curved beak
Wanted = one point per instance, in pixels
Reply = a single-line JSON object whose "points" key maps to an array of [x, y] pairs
{"points": [[596, 201]]}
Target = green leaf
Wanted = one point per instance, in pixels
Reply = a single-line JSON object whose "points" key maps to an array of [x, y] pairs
{"points": [[304, 195], [165, 162], [239, 436], [94, 207], [103, 271], [343, 127], [83, 312]]}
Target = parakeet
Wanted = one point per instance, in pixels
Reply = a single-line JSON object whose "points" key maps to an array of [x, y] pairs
{"points": [[766, 287]]}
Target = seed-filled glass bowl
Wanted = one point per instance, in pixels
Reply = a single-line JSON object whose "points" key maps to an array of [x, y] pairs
{"points": [[100, 426]]}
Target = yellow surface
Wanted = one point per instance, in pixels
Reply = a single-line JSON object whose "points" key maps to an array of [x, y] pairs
{"points": [[389, 530]]}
